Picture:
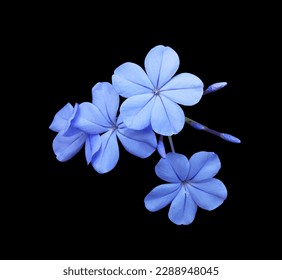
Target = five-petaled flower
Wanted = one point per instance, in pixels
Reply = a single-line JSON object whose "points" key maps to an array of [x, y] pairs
{"points": [[152, 96], [100, 118], [190, 184]]}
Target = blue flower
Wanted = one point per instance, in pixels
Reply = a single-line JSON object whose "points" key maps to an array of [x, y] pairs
{"points": [[62, 121], [190, 185], [100, 118], [152, 97], [70, 140]]}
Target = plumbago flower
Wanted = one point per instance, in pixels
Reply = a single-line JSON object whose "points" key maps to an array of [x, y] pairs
{"points": [[190, 185], [69, 140], [100, 118], [97, 126], [152, 97]]}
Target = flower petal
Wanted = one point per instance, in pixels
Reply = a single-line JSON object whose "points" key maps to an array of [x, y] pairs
{"points": [[106, 99], [63, 121], [208, 194], [69, 129], [183, 209], [136, 111], [161, 147], [203, 165], [161, 63], [67, 147], [61, 118], [107, 156], [130, 79], [90, 120], [141, 143], [92, 145], [161, 196], [174, 168], [185, 89], [167, 117]]}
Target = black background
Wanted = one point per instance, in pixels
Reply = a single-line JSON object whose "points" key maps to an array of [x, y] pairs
{"points": [[54, 210]]}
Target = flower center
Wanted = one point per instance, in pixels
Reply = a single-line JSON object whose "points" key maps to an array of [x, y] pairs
{"points": [[114, 127], [156, 91], [185, 184]]}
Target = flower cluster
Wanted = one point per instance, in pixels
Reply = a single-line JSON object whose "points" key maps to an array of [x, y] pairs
{"points": [[151, 110]]}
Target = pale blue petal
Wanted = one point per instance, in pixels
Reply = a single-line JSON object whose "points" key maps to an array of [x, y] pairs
{"points": [[161, 147], [167, 117], [90, 120], [174, 168], [130, 79], [69, 129], [141, 143], [183, 209], [203, 165], [61, 118], [92, 145], [63, 121], [136, 111], [161, 196], [208, 194], [161, 63], [106, 99], [107, 156], [185, 89], [67, 147]]}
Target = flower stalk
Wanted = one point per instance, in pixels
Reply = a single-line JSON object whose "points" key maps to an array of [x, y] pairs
{"points": [[225, 136]]}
